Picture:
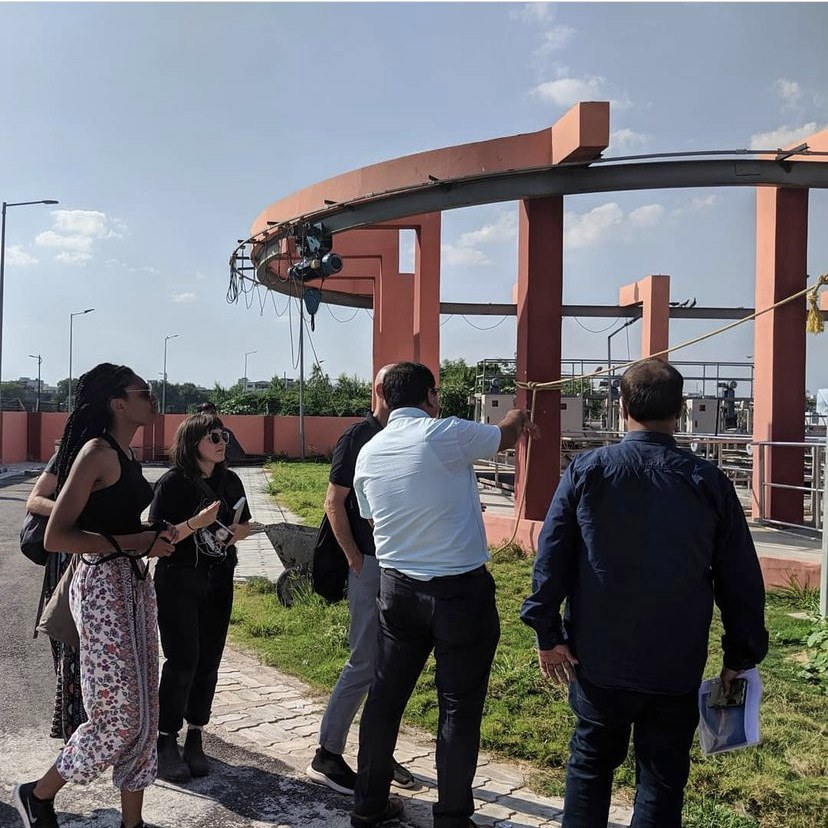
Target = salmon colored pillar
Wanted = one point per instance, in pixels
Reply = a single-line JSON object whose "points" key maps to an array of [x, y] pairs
{"points": [[539, 309], [393, 307], [426, 322], [653, 294], [779, 349]]}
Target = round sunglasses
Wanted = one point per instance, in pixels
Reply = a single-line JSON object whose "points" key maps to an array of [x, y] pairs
{"points": [[216, 437]]}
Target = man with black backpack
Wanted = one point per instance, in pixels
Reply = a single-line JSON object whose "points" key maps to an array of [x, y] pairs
{"points": [[356, 540]]}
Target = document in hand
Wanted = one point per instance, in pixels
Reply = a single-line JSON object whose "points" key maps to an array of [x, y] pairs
{"points": [[729, 723]]}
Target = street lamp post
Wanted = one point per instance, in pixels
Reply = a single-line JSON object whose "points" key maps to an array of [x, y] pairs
{"points": [[71, 322], [246, 355], [39, 360], [7, 204], [164, 378]]}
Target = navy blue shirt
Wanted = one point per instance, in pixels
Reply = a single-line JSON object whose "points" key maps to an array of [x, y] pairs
{"points": [[640, 538]]}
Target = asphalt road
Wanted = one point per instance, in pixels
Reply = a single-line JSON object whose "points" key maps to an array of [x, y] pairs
{"points": [[244, 788]]}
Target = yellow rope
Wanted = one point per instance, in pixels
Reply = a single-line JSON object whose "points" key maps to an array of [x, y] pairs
{"points": [[814, 325]]}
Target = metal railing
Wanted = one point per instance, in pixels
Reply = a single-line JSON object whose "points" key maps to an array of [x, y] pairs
{"points": [[812, 488], [733, 454]]}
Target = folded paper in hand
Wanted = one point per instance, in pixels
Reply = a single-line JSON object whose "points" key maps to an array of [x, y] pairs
{"points": [[723, 728]]}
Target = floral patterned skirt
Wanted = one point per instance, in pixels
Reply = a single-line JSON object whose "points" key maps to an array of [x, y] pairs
{"points": [[116, 616]]}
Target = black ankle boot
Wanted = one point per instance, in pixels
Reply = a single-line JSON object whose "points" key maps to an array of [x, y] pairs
{"points": [[194, 753], [170, 765]]}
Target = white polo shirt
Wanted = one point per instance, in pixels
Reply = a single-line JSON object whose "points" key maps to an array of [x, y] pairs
{"points": [[415, 480]]}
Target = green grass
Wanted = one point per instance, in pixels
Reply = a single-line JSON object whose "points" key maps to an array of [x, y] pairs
{"points": [[300, 487], [783, 782]]}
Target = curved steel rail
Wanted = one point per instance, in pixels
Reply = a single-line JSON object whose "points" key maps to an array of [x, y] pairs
{"points": [[557, 180]]}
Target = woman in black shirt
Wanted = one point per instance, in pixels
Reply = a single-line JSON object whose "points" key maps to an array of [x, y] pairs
{"points": [[195, 585]]}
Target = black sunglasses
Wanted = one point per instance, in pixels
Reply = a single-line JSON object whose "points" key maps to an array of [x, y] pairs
{"points": [[217, 437]]}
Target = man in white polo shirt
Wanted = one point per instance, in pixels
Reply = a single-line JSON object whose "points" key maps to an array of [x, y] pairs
{"points": [[415, 480]]}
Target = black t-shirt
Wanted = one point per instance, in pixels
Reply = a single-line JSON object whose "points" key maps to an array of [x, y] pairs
{"points": [[178, 498], [343, 466]]}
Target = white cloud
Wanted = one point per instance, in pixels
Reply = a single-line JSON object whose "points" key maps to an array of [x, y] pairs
{"points": [[608, 222], [784, 135], [569, 91], [627, 139], [593, 226], [131, 268], [647, 216], [76, 232], [18, 257], [534, 12], [465, 251], [183, 298], [502, 229], [454, 255], [790, 91], [555, 38], [704, 202], [73, 257]]}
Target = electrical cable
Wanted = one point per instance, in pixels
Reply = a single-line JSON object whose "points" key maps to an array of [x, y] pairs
{"points": [[342, 321], [600, 330], [481, 328]]}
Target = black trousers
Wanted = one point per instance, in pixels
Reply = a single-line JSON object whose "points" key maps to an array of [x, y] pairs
{"points": [[193, 616], [662, 728], [455, 616]]}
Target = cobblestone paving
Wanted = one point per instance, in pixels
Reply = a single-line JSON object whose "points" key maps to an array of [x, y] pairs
{"points": [[258, 708]]}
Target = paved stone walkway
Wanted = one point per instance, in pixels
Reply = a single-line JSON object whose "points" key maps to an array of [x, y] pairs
{"points": [[260, 709]]}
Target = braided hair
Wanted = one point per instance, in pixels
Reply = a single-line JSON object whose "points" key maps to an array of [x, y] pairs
{"points": [[91, 415]]}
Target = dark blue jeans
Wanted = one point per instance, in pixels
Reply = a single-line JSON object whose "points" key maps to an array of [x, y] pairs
{"points": [[662, 728], [455, 616]]}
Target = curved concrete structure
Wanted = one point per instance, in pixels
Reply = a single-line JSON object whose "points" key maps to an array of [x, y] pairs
{"points": [[366, 208]]}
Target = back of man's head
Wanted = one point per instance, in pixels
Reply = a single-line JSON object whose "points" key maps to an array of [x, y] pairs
{"points": [[406, 385], [652, 390]]}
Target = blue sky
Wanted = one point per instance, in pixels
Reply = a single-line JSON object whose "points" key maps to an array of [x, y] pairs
{"points": [[164, 129]]}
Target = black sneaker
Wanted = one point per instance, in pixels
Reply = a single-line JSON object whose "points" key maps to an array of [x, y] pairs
{"points": [[393, 810], [403, 778], [35, 813], [332, 770]]}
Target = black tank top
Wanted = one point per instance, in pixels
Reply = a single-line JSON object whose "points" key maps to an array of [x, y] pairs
{"points": [[116, 510]]}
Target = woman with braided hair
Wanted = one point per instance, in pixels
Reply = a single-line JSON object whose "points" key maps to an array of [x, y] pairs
{"points": [[97, 516]]}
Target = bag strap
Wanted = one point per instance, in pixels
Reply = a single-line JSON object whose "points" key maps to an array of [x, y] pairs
{"points": [[202, 486]]}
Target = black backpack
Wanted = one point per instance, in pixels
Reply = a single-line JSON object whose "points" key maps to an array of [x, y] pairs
{"points": [[330, 566], [32, 534]]}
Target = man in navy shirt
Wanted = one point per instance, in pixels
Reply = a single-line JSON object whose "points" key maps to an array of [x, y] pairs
{"points": [[640, 539]]}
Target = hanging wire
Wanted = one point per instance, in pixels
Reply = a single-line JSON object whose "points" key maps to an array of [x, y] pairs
{"points": [[310, 340], [447, 319], [342, 321], [484, 328], [600, 330]]}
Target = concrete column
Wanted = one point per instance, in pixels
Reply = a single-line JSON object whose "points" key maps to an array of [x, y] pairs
{"points": [[426, 321], [393, 307], [653, 294], [539, 306], [779, 348]]}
